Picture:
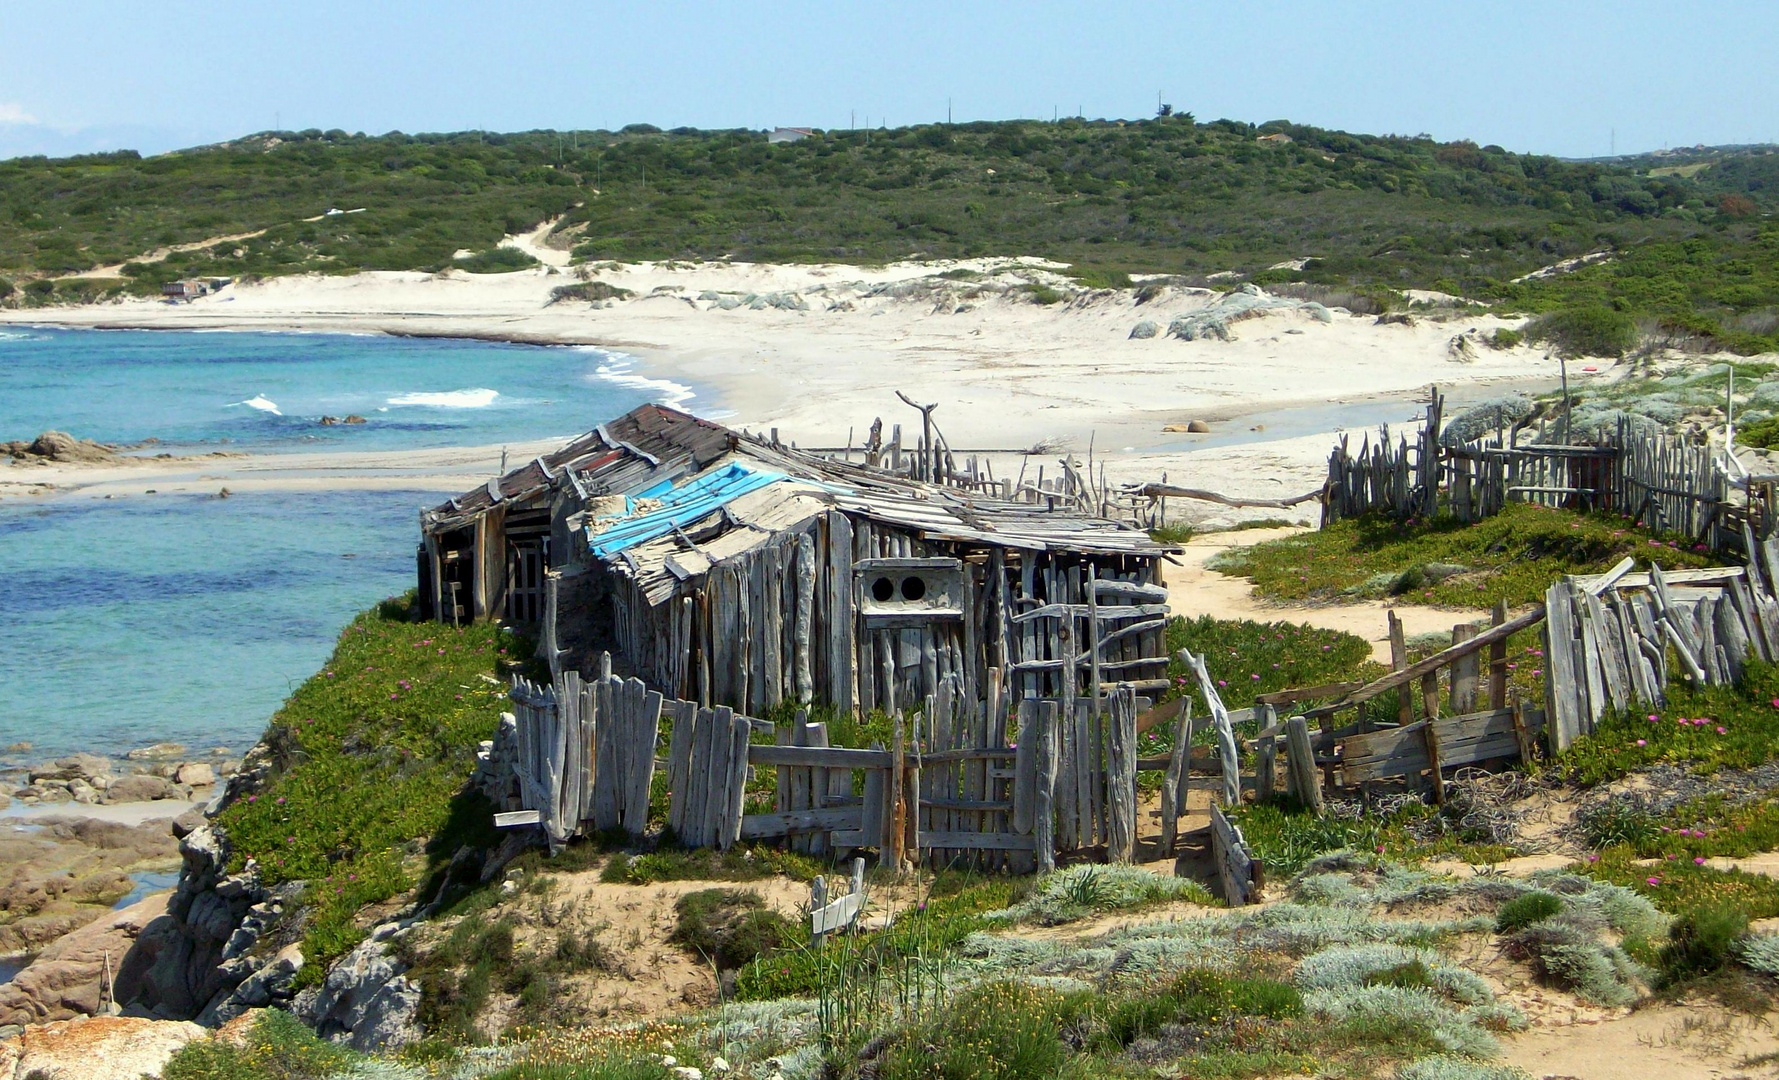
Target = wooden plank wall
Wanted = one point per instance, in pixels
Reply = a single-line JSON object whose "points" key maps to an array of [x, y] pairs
{"points": [[980, 785], [1609, 639]]}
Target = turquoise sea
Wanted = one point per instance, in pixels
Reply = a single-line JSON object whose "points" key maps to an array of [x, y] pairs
{"points": [[188, 619]]}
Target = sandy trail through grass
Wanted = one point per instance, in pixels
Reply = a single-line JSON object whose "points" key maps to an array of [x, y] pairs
{"points": [[1194, 589]]}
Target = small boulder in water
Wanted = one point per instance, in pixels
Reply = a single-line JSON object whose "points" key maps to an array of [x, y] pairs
{"points": [[157, 752]]}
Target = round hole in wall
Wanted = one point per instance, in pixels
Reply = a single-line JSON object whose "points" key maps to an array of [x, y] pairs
{"points": [[913, 588], [883, 590]]}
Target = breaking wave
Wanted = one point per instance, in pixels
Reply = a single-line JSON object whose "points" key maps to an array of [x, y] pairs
{"points": [[617, 371], [260, 402], [478, 398]]}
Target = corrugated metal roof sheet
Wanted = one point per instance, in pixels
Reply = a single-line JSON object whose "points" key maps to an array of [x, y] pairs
{"points": [[680, 505]]}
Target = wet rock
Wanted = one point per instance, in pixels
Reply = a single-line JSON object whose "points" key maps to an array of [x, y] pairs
{"points": [[73, 767], [142, 788], [157, 752]]}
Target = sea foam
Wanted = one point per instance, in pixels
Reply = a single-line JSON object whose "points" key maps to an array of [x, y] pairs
{"points": [[260, 402], [478, 398], [616, 370]]}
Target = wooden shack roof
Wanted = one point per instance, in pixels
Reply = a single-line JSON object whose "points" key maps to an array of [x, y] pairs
{"points": [[655, 444], [646, 445]]}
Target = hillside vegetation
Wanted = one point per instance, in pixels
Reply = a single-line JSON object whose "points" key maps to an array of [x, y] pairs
{"points": [[1168, 195]]}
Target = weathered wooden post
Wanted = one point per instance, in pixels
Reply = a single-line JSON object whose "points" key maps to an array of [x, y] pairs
{"points": [[1121, 777], [1173, 785], [1305, 782], [1266, 756], [1043, 814]]}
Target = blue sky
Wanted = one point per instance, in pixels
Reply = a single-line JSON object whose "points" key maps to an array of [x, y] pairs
{"points": [[1554, 77]]}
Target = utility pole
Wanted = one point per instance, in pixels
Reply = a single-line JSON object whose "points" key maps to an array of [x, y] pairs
{"points": [[948, 112]]}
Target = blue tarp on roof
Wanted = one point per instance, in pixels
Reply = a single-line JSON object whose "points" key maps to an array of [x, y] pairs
{"points": [[682, 505]]}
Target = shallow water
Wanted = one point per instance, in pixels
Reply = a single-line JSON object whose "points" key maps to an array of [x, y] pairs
{"points": [[162, 618], [182, 618], [268, 392], [145, 883]]}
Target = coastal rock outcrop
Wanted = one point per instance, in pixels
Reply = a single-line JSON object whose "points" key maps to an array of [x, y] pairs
{"points": [[367, 1001], [96, 1048], [60, 448], [176, 967], [67, 979]]}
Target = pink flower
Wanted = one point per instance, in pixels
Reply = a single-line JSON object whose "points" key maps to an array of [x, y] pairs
{"points": [[1220, 682], [1256, 677], [1653, 880], [1721, 730], [1653, 717], [1700, 860], [1642, 742]]}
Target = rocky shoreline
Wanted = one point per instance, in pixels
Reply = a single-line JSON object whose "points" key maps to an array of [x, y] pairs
{"points": [[165, 771], [87, 835]]}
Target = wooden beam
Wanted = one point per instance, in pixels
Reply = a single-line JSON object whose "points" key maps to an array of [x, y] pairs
{"points": [[1432, 663]]}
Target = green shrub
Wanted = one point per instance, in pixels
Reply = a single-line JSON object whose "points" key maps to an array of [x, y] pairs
{"points": [[1568, 953], [1586, 331], [1083, 890], [497, 260], [5, 288], [1618, 821], [1506, 338], [1043, 294], [1002, 1031], [1195, 998], [1524, 910], [1760, 952], [731, 927], [1701, 942], [277, 1047], [592, 291], [1447, 1067]]}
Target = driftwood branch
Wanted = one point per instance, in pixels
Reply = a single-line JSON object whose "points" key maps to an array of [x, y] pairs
{"points": [[1169, 491]]}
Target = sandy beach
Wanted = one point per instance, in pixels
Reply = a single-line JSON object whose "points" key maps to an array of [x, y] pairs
{"points": [[819, 351]]}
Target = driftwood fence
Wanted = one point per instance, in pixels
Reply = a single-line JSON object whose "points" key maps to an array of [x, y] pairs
{"points": [[1610, 637], [993, 786], [1658, 481]]}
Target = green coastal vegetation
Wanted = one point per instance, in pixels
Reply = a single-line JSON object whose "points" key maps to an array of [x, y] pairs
{"points": [[1682, 245]]}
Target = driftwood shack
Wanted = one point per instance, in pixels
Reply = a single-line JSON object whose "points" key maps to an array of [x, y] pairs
{"points": [[730, 570]]}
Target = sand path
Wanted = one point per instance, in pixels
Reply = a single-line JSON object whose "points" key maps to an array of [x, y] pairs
{"points": [[1194, 589]]}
